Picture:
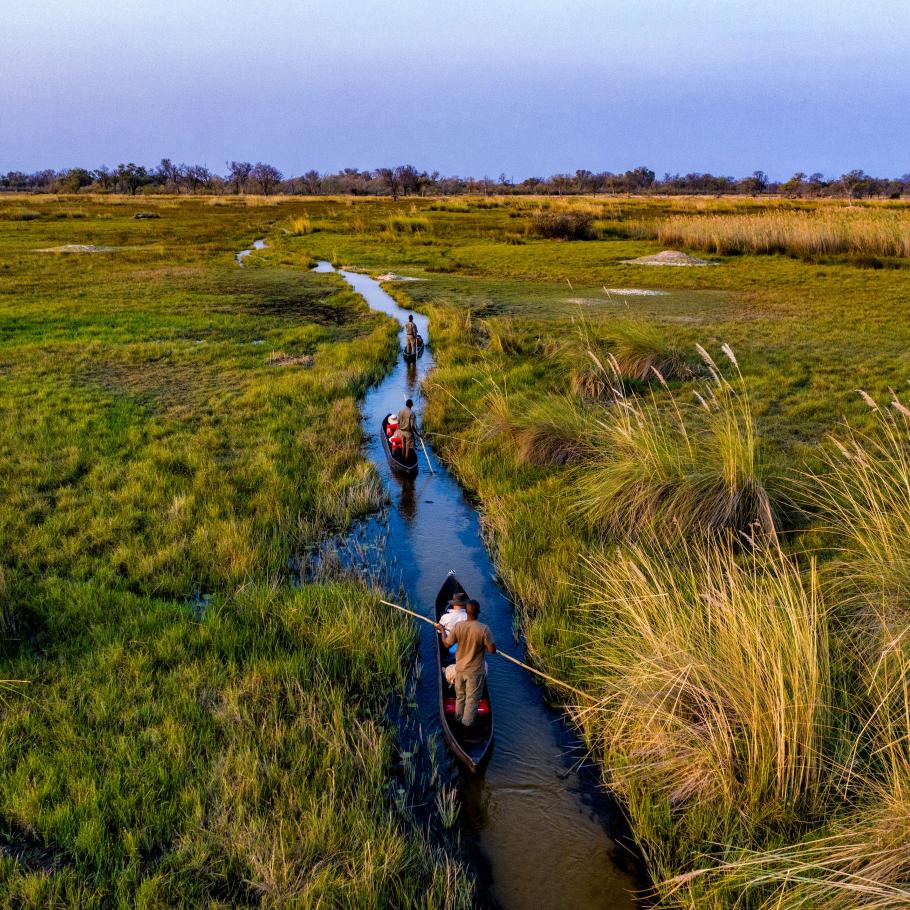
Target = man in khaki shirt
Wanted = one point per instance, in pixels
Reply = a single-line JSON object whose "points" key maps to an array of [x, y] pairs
{"points": [[410, 336], [474, 640], [407, 426]]}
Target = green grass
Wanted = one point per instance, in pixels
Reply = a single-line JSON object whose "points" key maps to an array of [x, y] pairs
{"points": [[750, 689], [193, 731], [749, 704]]}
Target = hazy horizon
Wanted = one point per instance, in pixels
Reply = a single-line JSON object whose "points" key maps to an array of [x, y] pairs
{"points": [[528, 89]]}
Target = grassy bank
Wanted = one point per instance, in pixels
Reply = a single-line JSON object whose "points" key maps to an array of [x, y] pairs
{"points": [[191, 730], [707, 549]]}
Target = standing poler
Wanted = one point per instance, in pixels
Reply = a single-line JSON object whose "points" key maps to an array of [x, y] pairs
{"points": [[475, 640], [407, 426], [410, 335]]}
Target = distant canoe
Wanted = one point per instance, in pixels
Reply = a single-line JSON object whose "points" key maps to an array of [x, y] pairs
{"points": [[399, 465], [472, 749], [411, 358]]}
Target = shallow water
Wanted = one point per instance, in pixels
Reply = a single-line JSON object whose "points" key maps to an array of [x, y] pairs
{"points": [[536, 823], [257, 245]]}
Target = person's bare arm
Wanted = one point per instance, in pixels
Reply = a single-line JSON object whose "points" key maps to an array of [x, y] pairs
{"points": [[448, 639], [490, 645]]}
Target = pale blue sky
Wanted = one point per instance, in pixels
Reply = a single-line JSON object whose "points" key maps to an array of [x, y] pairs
{"points": [[461, 86]]}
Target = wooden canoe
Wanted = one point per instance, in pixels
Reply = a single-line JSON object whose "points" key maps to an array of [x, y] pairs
{"points": [[411, 358], [474, 748], [409, 468]]}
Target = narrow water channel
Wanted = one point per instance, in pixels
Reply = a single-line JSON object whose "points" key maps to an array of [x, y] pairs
{"points": [[535, 821]]}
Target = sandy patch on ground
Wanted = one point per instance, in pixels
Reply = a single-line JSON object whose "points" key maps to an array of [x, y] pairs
{"points": [[77, 248], [391, 276], [636, 292], [668, 257]]}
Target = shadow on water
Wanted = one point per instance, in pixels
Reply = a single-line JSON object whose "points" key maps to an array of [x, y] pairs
{"points": [[538, 827]]}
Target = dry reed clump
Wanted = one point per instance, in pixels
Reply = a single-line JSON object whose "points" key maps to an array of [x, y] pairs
{"points": [[554, 431], [281, 359], [503, 337], [863, 493], [570, 224], [818, 233], [635, 352], [549, 432], [712, 679], [677, 469], [863, 858], [407, 224], [299, 226]]}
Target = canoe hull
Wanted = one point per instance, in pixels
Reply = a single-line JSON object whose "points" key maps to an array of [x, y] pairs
{"points": [[412, 358], [407, 469], [475, 751]]}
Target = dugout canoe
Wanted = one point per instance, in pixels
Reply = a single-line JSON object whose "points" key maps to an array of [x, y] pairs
{"points": [[473, 748], [411, 358], [407, 468]]}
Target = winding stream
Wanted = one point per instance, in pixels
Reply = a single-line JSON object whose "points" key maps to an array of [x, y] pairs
{"points": [[536, 823]]}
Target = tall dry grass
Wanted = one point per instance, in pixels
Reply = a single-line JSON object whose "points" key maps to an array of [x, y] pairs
{"points": [[863, 493], [828, 231], [298, 226], [671, 469], [713, 680], [862, 858], [635, 351]]}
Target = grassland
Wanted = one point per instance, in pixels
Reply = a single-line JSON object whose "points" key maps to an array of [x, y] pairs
{"points": [[712, 553], [191, 729]]}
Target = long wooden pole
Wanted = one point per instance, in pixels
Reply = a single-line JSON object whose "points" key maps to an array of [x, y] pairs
{"points": [[508, 657], [429, 463]]}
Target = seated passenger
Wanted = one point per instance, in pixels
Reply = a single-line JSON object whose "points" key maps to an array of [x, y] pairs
{"points": [[455, 614]]}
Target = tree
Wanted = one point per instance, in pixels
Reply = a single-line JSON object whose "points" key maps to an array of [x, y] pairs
{"points": [[266, 176], [313, 182], [795, 185], [195, 175], [389, 180], [73, 180], [639, 179], [408, 178], [168, 174], [238, 174], [131, 176], [855, 183], [756, 184]]}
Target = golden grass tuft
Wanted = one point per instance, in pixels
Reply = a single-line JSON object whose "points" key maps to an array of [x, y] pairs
{"points": [[677, 468], [635, 351], [863, 493], [711, 676], [862, 858], [824, 232], [298, 226], [555, 431]]}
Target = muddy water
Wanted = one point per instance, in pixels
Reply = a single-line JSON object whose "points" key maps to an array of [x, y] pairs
{"points": [[535, 822]]}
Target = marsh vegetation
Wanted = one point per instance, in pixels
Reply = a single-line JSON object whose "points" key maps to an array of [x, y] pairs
{"points": [[193, 730], [709, 542], [700, 518]]}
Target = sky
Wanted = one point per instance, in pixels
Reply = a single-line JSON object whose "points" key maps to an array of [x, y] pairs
{"points": [[469, 87]]}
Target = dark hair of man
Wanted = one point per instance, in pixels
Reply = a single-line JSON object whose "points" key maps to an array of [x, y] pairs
{"points": [[409, 403], [473, 608]]}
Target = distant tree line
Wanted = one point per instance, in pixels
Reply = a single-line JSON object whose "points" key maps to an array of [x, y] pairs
{"points": [[406, 180]]}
